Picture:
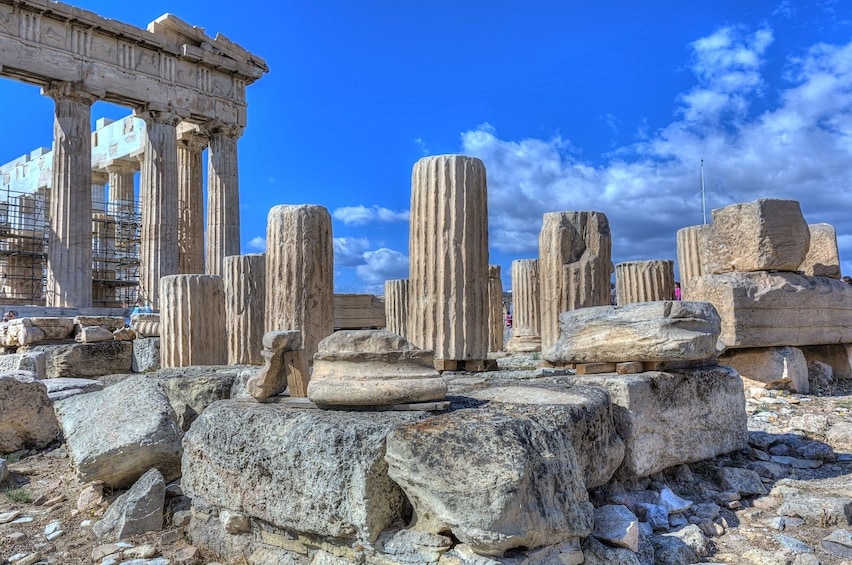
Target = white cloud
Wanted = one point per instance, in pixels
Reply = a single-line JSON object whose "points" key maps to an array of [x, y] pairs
{"points": [[257, 243], [360, 215], [349, 251], [800, 148], [381, 265]]}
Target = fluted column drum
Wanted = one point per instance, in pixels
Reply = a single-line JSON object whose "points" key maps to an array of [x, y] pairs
{"points": [[300, 273], [526, 313], [396, 306], [644, 281], [192, 321], [245, 297], [495, 309], [448, 258]]}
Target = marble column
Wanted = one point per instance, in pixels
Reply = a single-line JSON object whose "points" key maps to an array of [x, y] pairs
{"points": [[121, 198], [190, 199], [300, 273], [526, 316], [644, 281], [688, 252], [158, 253], [396, 306], [575, 266], [245, 298], [223, 195], [69, 253], [99, 181], [192, 321], [448, 258], [496, 321]]}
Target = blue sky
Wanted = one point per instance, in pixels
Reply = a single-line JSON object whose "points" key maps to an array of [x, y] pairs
{"points": [[606, 106]]}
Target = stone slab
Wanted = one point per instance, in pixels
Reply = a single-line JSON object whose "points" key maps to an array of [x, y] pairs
{"points": [[823, 258], [645, 331], [26, 413], [776, 309], [780, 367], [314, 471], [33, 361], [668, 419], [85, 360]]}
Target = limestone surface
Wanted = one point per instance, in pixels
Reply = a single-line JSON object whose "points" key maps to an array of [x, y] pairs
{"points": [[146, 355], [765, 309], [87, 359], [192, 389], [26, 412], [244, 457], [93, 334], [33, 362], [53, 328], [668, 419], [137, 511], [782, 367], [823, 258], [111, 323], [763, 235], [282, 354], [563, 406], [373, 368], [117, 434], [495, 481], [646, 331]]}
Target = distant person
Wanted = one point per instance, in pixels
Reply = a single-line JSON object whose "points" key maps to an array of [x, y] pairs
{"points": [[847, 279], [141, 308], [10, 315], [509, 320], [677, 290]]}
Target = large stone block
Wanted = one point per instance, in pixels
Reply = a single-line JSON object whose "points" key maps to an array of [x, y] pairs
{"points": [[314, 471], [838, 357], [26, 412], [86, 360], [777, 309], [823, 259], [645, 331], [146, 354], [668, 419], [562, 406], [192, 389], [117, 434], [34, 362], [495, 480], [778, 366], [763, 235]]}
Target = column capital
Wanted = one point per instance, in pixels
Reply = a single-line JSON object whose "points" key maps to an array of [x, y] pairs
{"points": [[219, 128], [162, 116], [122, 166], [190, 136], [99, 177], [73, 90]]}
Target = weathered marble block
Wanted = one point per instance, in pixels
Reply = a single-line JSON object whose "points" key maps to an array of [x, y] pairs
{"points": [[192, 389], [495, 480], [763, 235], [87, 359], [145, 325], [111, 323], [645, 331], [117, 434], [26, 412], [192, 329], [823, 258], [373, 368], [33, 362], [26, 331], [776, 309], [668, 419], [777, 366], [243, 457]]}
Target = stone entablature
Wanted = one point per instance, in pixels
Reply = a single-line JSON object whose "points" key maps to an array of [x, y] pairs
{"points": [[171, 65]]}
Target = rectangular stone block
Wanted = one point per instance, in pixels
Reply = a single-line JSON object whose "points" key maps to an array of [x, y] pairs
{"points": [[763, 235], [765, 309], [358, 311], [595, 368], [780, 367], [823, 259], [668, 419], [111, 323]]}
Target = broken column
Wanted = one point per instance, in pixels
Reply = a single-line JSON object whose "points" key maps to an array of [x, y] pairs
{"points": [[495, 309], [69, 253], [300, 273], [526, 317], [223, 195], [644, 281], [192, 321], [448, 259], [245, 296], [396, 306], [158, 248], [190, 197], [688, 253], [574, 264]]}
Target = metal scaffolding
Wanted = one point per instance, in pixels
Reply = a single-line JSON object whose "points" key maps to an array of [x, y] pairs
{"points": [[24, 239]]}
